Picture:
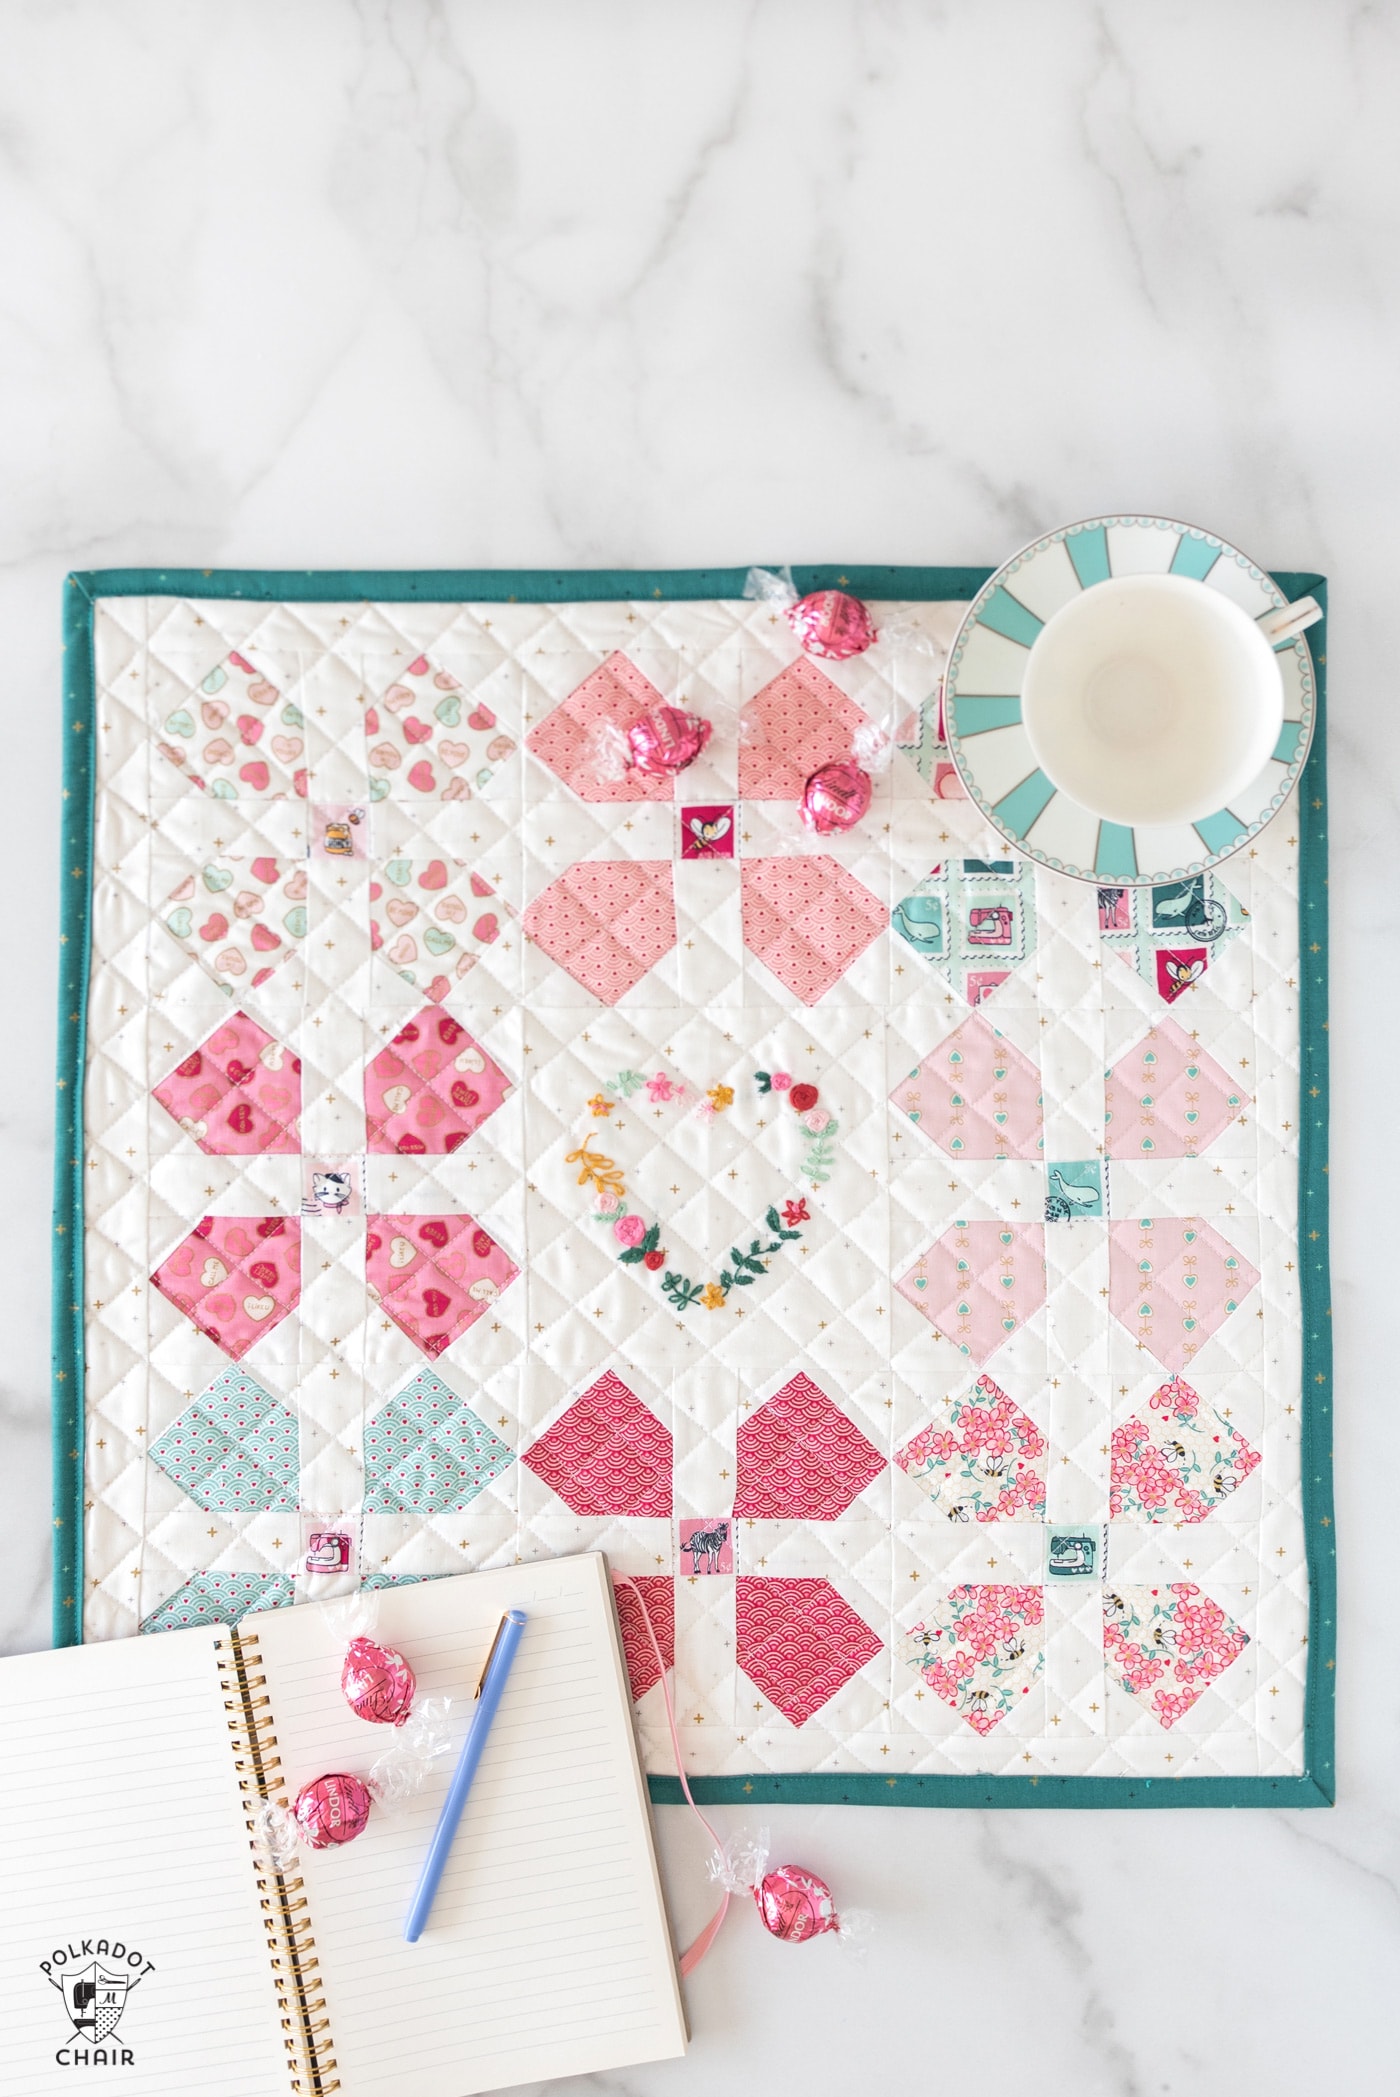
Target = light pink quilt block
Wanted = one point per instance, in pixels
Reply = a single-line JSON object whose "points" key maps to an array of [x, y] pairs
{"points": [[234, 738], [434, 1275], [616, 695], [799, 1458], [426, 736], [431, 1088], [1177, 1462], [1166, 1645], [235, 1277], [607, 922], [981, 1649], [798, 722], [976, 1095], [981, 1459], [979, 1284], [799, 1641], [238, 1093], [1172, 1283], [608, 1454], [1168, 1098], [807, 919]]}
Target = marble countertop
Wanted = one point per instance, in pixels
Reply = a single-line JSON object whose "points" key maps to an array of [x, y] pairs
{"points": [[400, 284]]}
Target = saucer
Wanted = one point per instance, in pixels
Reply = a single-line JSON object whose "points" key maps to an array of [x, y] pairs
{"points": [[992, 750]]}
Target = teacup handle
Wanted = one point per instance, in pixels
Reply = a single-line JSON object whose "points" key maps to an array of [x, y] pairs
{"points": [[1287, 621]]}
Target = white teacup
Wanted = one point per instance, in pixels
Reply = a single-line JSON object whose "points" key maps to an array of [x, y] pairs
{"points": [[1152, 699]]}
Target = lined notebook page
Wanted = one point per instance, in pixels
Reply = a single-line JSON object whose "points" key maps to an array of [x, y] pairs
{"points": [[120, 1818], [547, 1952]]}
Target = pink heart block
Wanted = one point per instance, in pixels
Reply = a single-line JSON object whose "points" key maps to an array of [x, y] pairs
{"points": [[979, 1284], [606, 922], [246, 1104], [807, 919], [431, 1088], [217, 1289], [430, 1306]]}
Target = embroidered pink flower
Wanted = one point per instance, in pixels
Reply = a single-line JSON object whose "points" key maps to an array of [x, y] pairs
{"points": [[817, 1120], [782, 1079], [795, 1212], [629, 1230], [605, 1204], [660, 1088]]}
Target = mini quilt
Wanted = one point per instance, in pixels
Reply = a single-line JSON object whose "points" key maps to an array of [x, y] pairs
{"points": [[908, 1264]]}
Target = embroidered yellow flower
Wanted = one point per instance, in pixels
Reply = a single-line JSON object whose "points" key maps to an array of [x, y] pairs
{"points": [[713, 1297], [599, 1105], [720, 1097]]}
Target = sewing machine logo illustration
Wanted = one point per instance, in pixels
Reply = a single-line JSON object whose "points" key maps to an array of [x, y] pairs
{"points": [[95, 1998], [1076, 1554]]}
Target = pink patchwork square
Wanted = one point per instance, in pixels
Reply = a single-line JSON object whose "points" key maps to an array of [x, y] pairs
{"points": [[235, 1277], [979, 1284], [1172, 1282], [616, 695], [434, 1275], [976, 1096], [799, 1458], [799, 1641], [431, 1088], [607, 921], [807, 920], [798, 722], [1167, 1098], [608, 1454], [238, 1092]]}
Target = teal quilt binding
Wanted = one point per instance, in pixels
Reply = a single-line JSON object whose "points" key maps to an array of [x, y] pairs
{"points": [[1317, 1785]]}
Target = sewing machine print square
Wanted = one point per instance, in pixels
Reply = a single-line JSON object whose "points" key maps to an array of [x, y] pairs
{"points": [[707, 1546], [1076, 1554], [1075, 1188]]}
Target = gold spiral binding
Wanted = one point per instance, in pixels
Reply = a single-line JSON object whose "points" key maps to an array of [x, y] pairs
{"points": [[285, 1912]]}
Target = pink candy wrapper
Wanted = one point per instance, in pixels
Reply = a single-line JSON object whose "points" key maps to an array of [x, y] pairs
{"points": [[332, 1809], [835, 798], [378, 1683], [831, 624], [666, 740]]}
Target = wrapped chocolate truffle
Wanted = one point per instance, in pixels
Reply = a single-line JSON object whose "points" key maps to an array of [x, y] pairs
{"points": [[831, 624], [835, 797], [332, 1809], [666, 740], [378, 1683]]}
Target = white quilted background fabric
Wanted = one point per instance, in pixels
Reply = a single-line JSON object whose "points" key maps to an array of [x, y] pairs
{"points": [[710, 1013]]}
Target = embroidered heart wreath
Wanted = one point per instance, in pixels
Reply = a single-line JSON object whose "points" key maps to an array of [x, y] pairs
{"points": [[639, 1241]]}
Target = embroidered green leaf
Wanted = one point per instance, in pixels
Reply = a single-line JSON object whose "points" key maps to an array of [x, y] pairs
{"points": [[682, 1293], [630, 1255], [626, 1082], [774, 1222], [763, 1081]]}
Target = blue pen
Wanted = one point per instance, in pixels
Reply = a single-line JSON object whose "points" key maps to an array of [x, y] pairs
{"points": [[488, 1696]]}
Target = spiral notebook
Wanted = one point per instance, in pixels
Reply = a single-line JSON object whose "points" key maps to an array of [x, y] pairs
{"points": [[140, 1933]]}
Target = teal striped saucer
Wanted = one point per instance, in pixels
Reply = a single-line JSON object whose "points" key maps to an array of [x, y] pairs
{"points": [[982, 702]]}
